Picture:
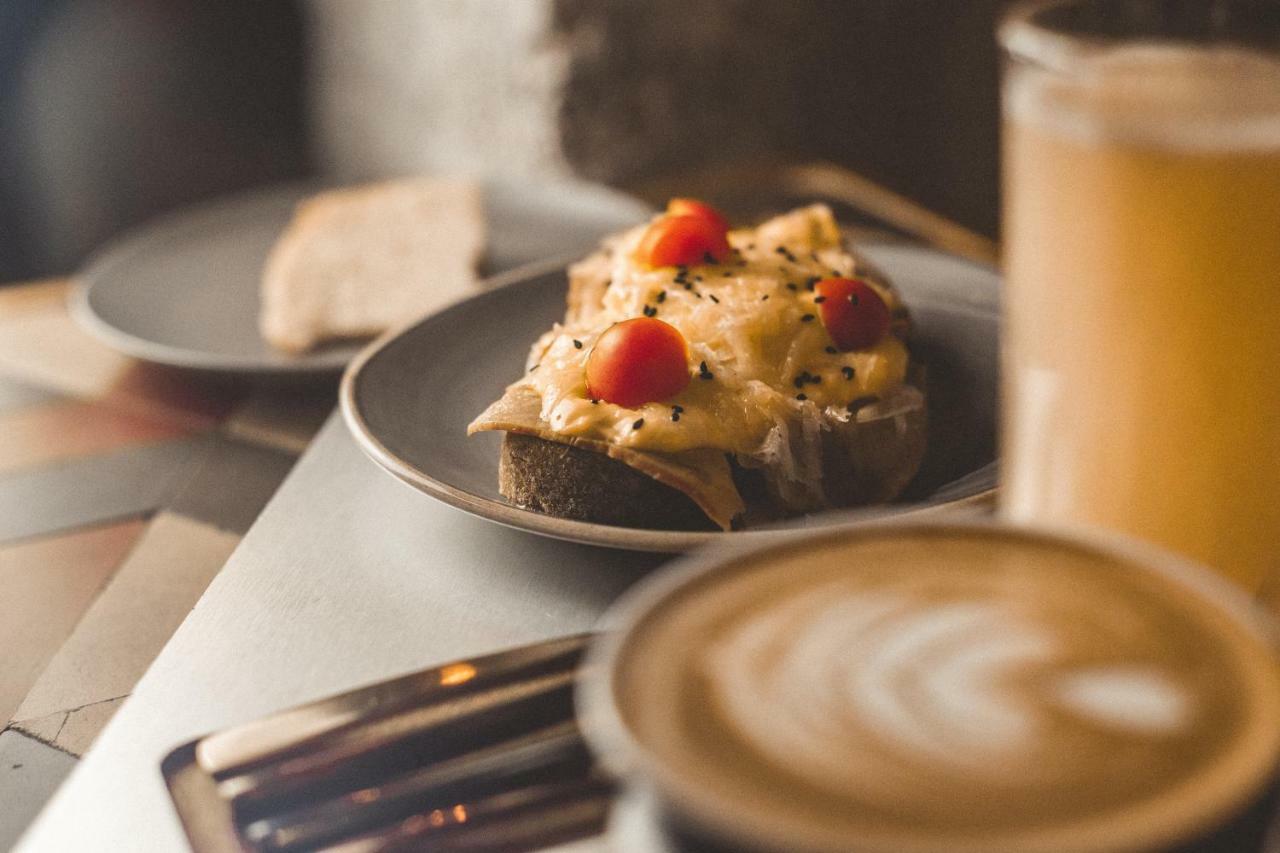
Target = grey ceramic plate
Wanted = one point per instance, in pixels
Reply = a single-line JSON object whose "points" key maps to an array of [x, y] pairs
{"points": [[409, 397], [184, 291]]}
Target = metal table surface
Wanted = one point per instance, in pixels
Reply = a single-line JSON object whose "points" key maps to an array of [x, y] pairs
{"points": [[348, 577]]}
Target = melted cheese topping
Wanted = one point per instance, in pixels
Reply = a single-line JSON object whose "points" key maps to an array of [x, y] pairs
{"points": [[746, 320]]}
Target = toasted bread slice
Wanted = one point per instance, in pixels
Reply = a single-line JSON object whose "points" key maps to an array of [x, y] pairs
{"points": [[356, 262], [703, 475], [867, 460]]}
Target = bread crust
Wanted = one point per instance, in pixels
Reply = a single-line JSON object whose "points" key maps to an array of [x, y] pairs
{"points": [[571, 482]]}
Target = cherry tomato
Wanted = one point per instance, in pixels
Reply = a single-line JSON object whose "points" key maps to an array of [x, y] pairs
{"points": [[693, 207], [638, 361], [854, 314], [674, 241]]}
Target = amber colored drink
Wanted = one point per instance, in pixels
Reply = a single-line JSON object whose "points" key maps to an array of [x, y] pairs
{"points": [[1143, 301]]}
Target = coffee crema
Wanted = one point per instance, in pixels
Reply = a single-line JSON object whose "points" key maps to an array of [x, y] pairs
{"points": [[959, 689]]}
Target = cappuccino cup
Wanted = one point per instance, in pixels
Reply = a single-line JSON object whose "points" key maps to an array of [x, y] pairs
{"points": [[930, 687]]}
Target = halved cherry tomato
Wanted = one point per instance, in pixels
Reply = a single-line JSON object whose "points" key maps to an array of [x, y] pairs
{"points": [[693, 207], [854, 314], [674, 241], [638, 361]]}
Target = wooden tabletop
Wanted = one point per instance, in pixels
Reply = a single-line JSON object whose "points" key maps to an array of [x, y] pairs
{"points": [[124, 487]]}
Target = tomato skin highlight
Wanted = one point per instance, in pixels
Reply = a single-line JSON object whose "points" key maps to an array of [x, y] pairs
{"points": [[674, 241], [693, 207], [853, 313], [638, 361]]}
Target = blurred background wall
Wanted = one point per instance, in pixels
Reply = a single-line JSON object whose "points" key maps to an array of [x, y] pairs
{"points": [[112, 111]]}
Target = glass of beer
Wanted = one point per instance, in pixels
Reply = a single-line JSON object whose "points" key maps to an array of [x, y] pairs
{"points": [[1142, 253]]}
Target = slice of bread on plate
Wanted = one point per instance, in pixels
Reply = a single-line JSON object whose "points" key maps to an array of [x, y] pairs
{"points": [[356, 262]]}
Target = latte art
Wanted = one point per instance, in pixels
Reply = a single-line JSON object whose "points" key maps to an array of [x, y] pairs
{"points": [[962, 689], [872, 694]]}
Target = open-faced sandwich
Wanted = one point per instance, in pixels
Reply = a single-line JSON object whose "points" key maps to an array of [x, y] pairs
{"points": [[712, 377]]}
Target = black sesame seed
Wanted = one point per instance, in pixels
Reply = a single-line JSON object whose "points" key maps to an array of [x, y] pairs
{"points": [[811, 282], [727, 274], [792, 287], [818, 300], [781, 250], [639, 423], [577, 344], [595, 402], [703, 373], [709, 259], [677, 409], [799, 380], [802, 397], [853, 299], [806, 318], [832, 350], [675, 416], [682, 269], [835, 274], [650, 311], [847, 371], [662, 296], [712, 297]]}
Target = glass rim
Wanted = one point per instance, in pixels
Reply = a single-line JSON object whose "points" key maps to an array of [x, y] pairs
{"points": [[1023, 36]]}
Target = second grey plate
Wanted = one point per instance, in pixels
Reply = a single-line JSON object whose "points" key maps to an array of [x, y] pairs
{"points": [[183, 291], [409, 397]]}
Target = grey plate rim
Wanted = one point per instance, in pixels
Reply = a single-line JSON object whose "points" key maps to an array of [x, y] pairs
{"points": [[585, 532], [325, 363], [328, 360]]}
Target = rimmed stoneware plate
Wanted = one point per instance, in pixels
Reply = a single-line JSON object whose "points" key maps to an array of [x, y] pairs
{"points": [[408, 398], [183, 291]]}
